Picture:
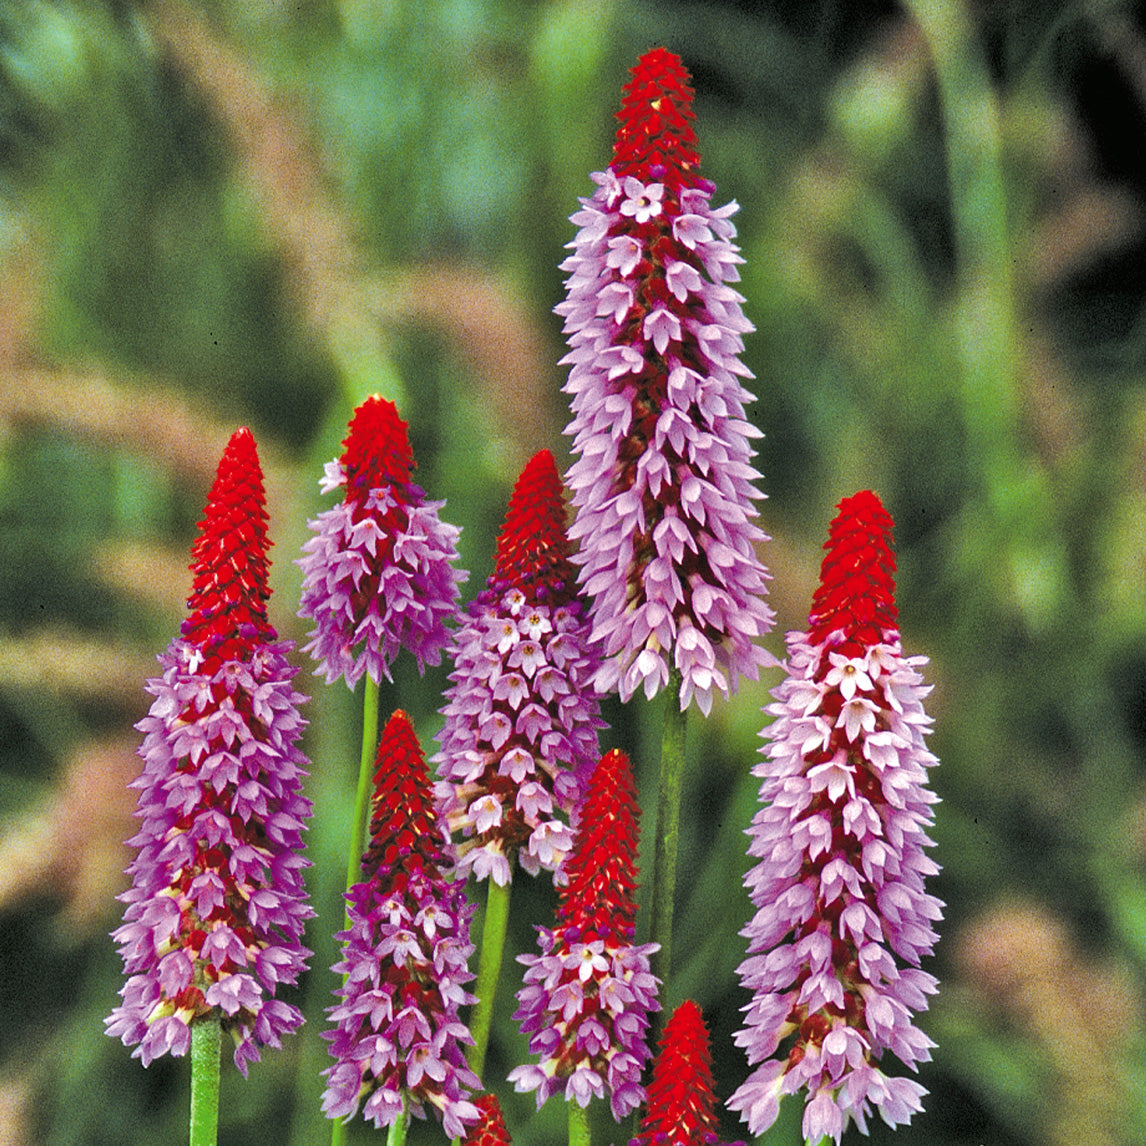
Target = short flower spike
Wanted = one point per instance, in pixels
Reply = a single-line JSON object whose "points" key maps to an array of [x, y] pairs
{"points": [[379, 575], [397, 1036], [520, 734], [842, 918], [587, 997], [662, 482], [681, 1102], [216, 909]]}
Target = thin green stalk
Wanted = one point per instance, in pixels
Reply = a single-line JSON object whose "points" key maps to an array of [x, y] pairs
{"points": [[206, 1040], [489, 969], [361, 823], [668, 829], [397, 1133], [359, 828], [578, 1124]]}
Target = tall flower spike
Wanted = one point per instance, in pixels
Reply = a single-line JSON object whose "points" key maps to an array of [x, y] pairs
{"points": [[842, 917], [588, 995], [397, 1034], [663, 484], [520, 734], [216, 909], [378, 575], [681, 1104]]}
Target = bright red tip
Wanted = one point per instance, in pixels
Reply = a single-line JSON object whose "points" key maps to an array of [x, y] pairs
{"points": [[533, 549], [602, 868], [681, 1104], [857, 579], [655, 141], [377, 449], [490, 1130], [229, 564], [404, 827]]}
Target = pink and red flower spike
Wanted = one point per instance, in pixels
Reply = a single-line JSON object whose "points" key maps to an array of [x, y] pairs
{"points": [[587, 997], [216, 909], [379, 574], [520, 734], [663, 481], [397, 1034], [490, 1130], [842, 918], [681, 1103]]}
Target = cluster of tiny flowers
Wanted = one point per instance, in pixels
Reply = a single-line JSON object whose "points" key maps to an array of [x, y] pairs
{"points": [[217, 906], [681, 1105], [379, 574], [839, 886], [663, 482], [588, 995], [520, 732], [398, 1039]]}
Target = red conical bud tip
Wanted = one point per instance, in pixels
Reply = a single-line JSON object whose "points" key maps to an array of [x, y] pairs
{"points": [[857, 579], [533, 549], [404, 828], [655, 141], [229, 562], [681, 1103], [602, 868], [377, 449], [490, 1130]]}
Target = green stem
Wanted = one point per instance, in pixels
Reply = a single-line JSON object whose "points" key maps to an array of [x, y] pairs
{"points": [[489, 969], [578, 1124], [668, 830], [397, 1133], [205, 1049], [359, 827]]}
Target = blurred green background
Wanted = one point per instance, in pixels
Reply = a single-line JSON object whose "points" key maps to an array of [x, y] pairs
{"points": [[254, 212]]}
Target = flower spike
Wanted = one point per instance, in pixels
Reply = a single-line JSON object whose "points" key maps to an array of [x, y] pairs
{"points": [[215, 913], [681, 1105], [842, 918], [588, 995], [397, 1037], [378, 575], [520, 734], [662, 485]]}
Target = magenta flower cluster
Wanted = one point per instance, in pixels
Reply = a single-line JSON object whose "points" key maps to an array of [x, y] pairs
{"points": [[379, 575], [842, 918], [663, 480], [397, 1038], [216, 908]]}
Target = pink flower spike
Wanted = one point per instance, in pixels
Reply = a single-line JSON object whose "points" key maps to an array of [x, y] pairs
{"points": [[842, 919], [378, 576], [522, 713], [659, 430], [215, 914], [587, 997]]}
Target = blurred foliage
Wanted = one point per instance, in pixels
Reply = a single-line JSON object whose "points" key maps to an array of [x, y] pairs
{"points": [[260, 212]]}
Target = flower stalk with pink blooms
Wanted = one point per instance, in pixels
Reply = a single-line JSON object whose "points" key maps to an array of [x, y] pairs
{"points": [[663, 481], [522, 715], [215, 914], [842, 919]]}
